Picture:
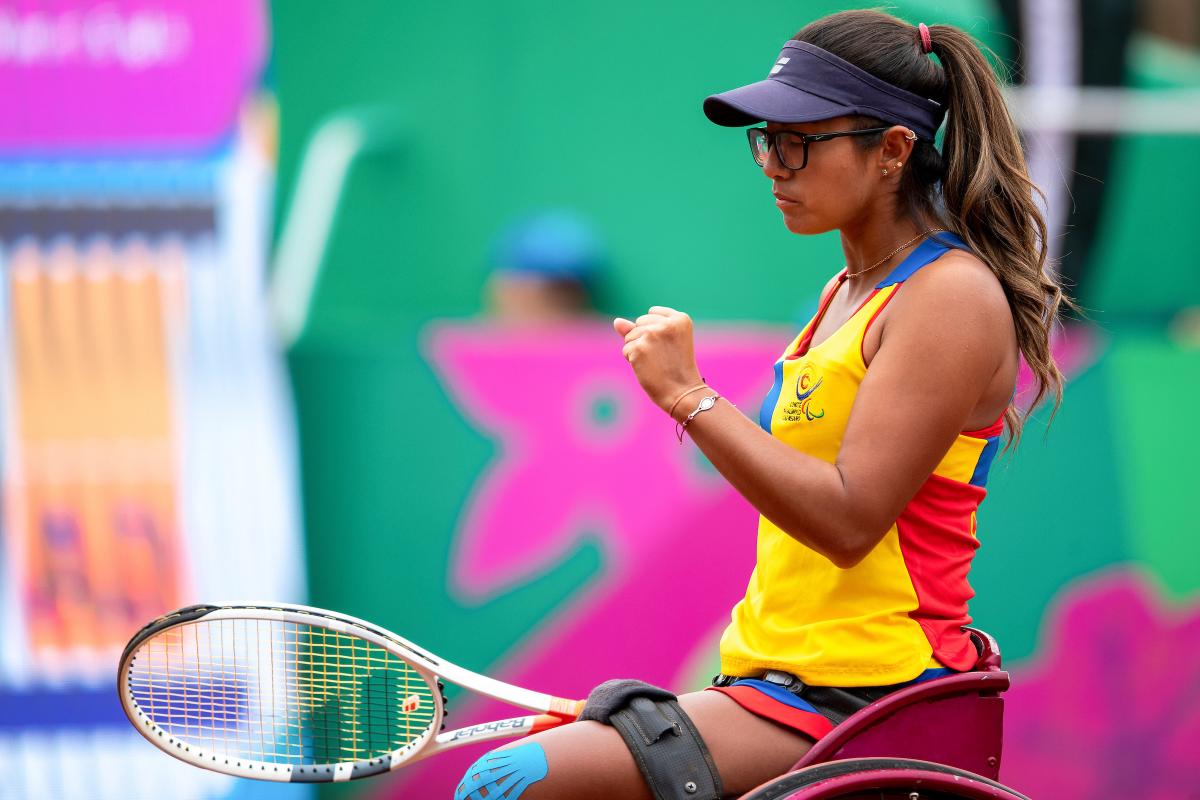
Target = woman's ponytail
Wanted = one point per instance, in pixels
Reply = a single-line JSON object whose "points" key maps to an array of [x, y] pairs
{"points": [[989, 201]]}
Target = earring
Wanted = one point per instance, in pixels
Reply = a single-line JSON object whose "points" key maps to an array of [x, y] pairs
{"points": [[899, 164], [885, 171]]}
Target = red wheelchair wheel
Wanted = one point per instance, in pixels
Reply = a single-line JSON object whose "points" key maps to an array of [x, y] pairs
{"points": [[874, 778]]}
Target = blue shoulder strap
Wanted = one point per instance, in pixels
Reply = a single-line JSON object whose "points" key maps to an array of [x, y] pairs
{"points": [[922, 254]]}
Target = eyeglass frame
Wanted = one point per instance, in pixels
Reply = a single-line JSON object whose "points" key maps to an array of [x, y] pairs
{"points": [[805, 140]]}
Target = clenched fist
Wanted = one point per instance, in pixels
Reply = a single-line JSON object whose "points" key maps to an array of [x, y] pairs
{"points": [[659, 346]]}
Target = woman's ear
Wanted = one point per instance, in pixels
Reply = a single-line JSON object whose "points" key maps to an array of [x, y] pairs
{"points": [[897, 146]]}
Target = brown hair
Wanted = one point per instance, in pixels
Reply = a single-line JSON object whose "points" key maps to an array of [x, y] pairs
{"points": [[978, 186]]}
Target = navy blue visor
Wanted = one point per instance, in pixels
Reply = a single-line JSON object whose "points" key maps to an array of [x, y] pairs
{"points": [[808, 84]]}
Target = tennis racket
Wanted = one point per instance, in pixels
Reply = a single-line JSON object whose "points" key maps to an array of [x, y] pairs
{"points": [[290, 693]]}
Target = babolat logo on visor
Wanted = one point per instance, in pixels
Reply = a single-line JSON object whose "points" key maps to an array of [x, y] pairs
{"points": [[779, 65], [507, 724]]}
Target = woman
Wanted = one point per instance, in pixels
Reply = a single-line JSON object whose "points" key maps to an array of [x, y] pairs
{"points": [[872, 449]]}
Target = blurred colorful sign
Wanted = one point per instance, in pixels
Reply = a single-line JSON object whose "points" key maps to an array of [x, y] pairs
{"points": [[146, 451], [126, 75], [144, 438], [92, 499]]}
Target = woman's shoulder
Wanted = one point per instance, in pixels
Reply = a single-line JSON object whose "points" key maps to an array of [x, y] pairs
{"points": [[957, 277], [960, 302]]}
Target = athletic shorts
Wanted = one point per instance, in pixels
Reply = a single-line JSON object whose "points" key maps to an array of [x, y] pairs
{"points": [[811, 710]]}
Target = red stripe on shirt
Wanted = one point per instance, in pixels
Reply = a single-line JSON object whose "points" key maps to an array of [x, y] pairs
{"points": [[937, 539]]}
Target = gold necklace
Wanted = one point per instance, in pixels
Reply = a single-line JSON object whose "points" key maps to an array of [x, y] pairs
{"points": [[920, 235]]}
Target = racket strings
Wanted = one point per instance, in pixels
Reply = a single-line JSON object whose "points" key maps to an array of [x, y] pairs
{"points": [[279, 692]]}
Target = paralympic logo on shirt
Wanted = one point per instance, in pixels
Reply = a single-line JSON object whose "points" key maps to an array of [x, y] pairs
{"points": [[801, 407]]}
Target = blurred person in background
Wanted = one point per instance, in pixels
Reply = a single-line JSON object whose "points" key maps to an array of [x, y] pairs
{"points": [[544, 268], [871, 452]]}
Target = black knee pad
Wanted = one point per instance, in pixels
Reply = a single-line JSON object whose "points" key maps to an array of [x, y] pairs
{"points": [[666, 746]]}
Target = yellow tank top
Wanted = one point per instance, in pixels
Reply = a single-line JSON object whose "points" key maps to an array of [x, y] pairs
{"points": [[901, 609]]}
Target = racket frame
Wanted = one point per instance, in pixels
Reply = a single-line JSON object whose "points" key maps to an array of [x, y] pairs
{"points": [[552, 711]]}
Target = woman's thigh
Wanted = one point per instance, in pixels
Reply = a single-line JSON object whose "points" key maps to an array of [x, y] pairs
{"points": [[588, 760]]}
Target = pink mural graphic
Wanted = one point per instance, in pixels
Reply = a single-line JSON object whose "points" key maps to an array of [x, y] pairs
{"points": [[1110, 708], [126, 75], [582, 447]]}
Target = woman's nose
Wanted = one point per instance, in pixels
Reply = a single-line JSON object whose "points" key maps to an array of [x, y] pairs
{"points": [[773, 168]]}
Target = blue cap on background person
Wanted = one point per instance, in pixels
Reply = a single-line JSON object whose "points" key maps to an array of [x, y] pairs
{"points": [[557, 244], [544, 267]]}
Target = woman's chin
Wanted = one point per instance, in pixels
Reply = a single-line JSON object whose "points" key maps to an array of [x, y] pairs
{"points": [[802, 224]]}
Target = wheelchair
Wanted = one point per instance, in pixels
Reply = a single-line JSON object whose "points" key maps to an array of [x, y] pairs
{"points": [[935, 740]]}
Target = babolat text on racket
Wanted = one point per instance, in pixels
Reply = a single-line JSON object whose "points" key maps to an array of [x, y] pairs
{"points": [[290, 693]]}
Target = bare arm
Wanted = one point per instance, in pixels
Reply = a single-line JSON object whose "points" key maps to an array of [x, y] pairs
{"points": [[945, 336]]}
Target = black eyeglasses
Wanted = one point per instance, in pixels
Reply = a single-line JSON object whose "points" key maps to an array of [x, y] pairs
{"points": [[791, 148]]}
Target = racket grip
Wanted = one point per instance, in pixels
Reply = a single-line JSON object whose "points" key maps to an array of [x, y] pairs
{"points": [[565, 710], [544, 722]]}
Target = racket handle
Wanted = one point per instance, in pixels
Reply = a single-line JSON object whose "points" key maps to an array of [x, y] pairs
{"points": [[544, 722], [561, 712], [565, 710]]}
